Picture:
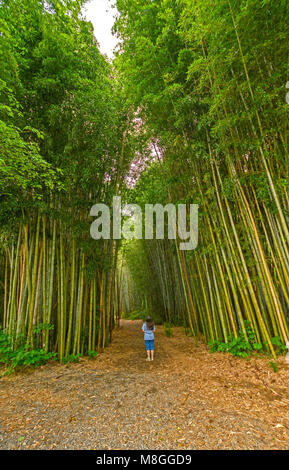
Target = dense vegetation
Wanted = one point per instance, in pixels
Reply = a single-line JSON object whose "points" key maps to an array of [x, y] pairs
{"points": [[198, 88], [208, 81], [63, 126]]}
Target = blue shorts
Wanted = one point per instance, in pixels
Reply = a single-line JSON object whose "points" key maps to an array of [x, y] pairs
{"points": [[150, 344]]}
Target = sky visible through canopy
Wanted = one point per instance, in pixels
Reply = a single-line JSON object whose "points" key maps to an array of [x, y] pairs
{"points": [[101, 14]]}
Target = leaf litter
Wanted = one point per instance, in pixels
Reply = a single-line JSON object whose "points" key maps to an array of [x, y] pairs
{"points": [[187, 398]]}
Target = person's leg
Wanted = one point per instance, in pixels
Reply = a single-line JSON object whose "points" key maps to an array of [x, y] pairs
{"points": [[152, 350], [148, 351]]}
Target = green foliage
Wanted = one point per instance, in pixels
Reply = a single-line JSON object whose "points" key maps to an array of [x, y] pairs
{"points": [[206, 81], [92, 354], [138, 314], [71, 358], [64, 146], [41, 327], [241, 346], [168, 329], [279, 345], [273, 365], [21, 357], [197, 96], [245, 344]]}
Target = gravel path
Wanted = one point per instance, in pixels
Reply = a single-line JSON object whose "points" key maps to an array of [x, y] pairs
{"points": [[186, 399]]}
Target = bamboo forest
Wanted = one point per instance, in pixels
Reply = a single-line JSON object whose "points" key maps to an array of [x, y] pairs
{"points": [[190, 110]]}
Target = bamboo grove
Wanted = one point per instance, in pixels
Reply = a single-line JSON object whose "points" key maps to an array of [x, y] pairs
{"points": [[63, 148], [208, 80], [197, 93]]}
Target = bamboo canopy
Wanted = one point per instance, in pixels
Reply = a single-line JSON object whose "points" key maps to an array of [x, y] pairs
{"points": [[196, 101]]}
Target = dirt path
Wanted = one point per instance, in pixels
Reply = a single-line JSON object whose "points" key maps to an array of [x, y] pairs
{"points": [[187, 399]]}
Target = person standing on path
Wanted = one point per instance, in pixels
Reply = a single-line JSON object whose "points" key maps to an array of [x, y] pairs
{"points": [[149, 328]]}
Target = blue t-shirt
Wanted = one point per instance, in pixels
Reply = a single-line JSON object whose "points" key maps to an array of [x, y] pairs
{"points": [[148, 334]]}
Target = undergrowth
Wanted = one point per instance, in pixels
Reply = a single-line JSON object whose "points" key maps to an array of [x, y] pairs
{"points": [[15, 355], [245, 344], [141, 314], [168, 330]]}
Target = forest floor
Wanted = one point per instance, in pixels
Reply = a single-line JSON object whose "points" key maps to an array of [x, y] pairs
{"points": [[187, 398]]}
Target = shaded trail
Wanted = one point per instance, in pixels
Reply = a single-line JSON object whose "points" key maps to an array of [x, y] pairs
{"points": [[187, 399]]}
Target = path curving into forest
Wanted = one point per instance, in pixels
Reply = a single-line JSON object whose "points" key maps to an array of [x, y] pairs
{"points": [[187, 399]]}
